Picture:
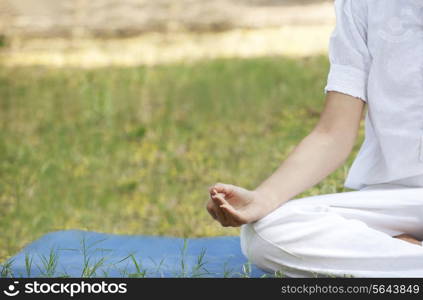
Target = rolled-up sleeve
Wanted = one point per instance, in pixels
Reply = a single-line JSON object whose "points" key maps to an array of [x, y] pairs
{"points": [[348, 53]]}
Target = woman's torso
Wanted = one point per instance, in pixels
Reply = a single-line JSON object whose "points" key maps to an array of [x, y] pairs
{"points": [[392, 151]]}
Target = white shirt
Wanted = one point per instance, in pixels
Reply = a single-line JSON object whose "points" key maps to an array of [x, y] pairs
{"points": [[376, 55]]}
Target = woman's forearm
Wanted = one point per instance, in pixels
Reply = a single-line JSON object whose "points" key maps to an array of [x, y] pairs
{"points": [[314, 158], [318, 154]]}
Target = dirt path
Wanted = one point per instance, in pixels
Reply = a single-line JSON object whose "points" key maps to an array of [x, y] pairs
{"points": [[151, 49], [263, 27]]}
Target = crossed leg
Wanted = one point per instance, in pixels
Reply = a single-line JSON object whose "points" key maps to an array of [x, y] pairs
{"points": [[342, 234]]}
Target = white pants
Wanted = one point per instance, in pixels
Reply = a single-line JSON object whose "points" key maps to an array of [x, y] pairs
{"points": [[341, 234]]}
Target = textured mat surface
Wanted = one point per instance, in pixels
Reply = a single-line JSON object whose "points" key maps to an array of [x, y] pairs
{"points": [[76, 253]]}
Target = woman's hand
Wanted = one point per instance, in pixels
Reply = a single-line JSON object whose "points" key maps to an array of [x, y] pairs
{"points": [[232, 205]]}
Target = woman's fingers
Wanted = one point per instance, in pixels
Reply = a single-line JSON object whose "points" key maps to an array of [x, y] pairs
{"points": [[210, 208], [222, 210], [213, 214], [232, 216], [221, 217], [220, 214], [235, 215], [219, 199], [219, 187]]}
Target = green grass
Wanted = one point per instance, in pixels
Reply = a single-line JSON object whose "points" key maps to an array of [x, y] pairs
{"points": [[3, 42], [133, 150]]}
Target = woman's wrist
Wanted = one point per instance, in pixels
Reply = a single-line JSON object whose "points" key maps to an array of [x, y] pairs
{"points": [[269, 200]]}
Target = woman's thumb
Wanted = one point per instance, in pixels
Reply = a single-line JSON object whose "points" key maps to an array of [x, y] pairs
{"points": [[219, 187]]}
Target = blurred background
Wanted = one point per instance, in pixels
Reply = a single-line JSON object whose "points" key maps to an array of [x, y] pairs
{"points": [[116, 116], [104, 32]]}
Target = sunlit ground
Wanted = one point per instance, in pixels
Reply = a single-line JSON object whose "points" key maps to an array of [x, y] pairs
{"points": [[159, 48]]}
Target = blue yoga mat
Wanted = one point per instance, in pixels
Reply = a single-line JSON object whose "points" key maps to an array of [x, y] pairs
{"points": [[76, 253]]}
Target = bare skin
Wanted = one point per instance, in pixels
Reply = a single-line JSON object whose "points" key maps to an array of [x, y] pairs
{"points": [[408, 238], [320, 153]]}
